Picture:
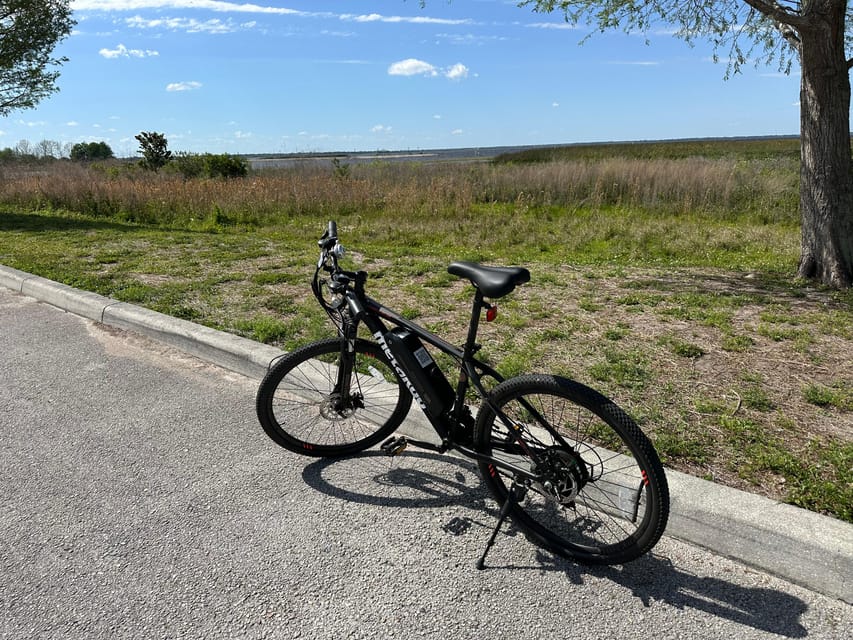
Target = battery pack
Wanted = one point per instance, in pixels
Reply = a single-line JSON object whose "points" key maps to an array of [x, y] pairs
{"points": [[424, 375]]}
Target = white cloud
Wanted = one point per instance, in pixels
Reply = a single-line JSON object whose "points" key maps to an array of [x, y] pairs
{"points": [[555, 104], [457, 71], [375, 17], [223, 6], [123, 52], [72, 123], [183, 86], [190, 25], [412, 67], [457, 132], [469, 38], [552, 25], [415, 67], [210, 5], [380, 128]]}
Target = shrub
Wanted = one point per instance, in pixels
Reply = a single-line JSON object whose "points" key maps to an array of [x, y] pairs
{"points": [[189, 165], [88, 151], [208, 165], [224, 165]]}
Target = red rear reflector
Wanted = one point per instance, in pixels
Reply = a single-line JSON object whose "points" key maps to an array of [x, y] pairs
{"points": [[491, 313]]}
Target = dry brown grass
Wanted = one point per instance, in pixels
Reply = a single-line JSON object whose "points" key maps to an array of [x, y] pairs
{"points": [[682, 186]]}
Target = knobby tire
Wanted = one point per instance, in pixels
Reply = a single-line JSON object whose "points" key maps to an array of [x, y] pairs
{"points": [[296, 402], [606, 499]]}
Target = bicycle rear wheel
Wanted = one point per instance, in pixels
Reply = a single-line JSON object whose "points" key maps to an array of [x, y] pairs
{"points": [[601, 496], [299, 407]]}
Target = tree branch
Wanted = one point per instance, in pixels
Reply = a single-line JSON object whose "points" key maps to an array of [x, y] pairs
{"points": [[778, 13]]}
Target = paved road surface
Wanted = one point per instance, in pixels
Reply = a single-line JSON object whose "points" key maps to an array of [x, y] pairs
{"points": [[140, 499]]}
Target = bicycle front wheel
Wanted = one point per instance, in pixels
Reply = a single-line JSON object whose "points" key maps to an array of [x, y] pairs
{"points": [[600, 495], [301, 409]]}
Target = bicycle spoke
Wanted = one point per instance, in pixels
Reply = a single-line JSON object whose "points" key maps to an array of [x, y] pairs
{"points": [[591, 498]]}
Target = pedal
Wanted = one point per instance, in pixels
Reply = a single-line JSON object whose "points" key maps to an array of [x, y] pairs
{"points": [[394, 446]]}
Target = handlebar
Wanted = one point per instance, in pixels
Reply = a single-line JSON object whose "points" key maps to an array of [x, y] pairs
{"points": [[330, 252], [330, 237]]}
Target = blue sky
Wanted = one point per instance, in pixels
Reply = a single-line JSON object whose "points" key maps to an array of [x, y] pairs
{"points": [[284, 76]]}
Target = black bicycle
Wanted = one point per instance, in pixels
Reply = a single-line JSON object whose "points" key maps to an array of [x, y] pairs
{"points": [[570, 468]]}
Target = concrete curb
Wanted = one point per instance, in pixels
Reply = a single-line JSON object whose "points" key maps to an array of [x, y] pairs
{"points": [[803, 547], [224, 349]]}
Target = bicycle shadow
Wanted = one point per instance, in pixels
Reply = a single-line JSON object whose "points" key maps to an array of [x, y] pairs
{"points": [[423, 480]]}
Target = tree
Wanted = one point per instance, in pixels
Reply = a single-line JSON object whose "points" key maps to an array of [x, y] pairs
{"points": [[817, 32], [29, 31], [48, 149], [88, 151], [153, 147]]}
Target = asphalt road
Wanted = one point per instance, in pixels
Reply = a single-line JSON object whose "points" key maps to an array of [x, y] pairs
{"points": [[139, 498]]}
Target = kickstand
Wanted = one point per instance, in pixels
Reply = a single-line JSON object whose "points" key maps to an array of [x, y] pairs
{"points": [[515, 495]]}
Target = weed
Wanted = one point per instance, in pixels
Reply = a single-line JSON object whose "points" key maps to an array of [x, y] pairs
{"points": [[265, 329], [756, 398], [736, 343], [279, 303], [616, 333], [682, 443], [681, 348], [838, 396], [624, 368]]}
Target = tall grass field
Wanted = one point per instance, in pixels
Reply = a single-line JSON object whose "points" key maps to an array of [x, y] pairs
{"points": [[662, 275]]}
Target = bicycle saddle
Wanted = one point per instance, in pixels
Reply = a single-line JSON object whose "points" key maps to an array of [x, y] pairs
{"points": [[494, 282]]}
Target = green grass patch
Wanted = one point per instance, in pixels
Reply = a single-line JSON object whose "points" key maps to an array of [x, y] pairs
{"points": [[681, 348], [838, 396], [627, 369]]}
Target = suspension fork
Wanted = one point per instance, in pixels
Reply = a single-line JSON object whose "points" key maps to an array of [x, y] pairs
{"points": [[346, 364]]}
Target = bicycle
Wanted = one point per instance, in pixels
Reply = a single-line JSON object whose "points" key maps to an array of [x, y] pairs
{"points": [[571, 468]]}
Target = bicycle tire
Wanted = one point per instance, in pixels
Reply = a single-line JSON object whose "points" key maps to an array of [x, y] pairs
{"points": [[608, 502], [294, 400]]}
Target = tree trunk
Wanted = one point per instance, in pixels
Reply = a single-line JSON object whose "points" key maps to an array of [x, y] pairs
{"points": [[826, 170]]}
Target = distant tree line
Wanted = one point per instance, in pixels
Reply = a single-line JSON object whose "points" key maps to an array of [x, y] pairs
{"points": [[44, 150], [48, 150], [153, 147]]}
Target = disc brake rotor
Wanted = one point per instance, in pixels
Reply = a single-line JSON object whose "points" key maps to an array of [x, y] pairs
{"points": [[565, 475], [333, 409]]}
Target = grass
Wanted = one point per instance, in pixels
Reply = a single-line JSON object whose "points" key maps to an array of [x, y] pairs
{"points": [[676, 302]]}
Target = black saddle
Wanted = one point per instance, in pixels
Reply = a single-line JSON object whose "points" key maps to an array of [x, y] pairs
{"points": [[493, 282]]}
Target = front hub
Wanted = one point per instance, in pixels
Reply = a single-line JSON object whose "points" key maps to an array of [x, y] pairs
{"points": [[335, 408]]}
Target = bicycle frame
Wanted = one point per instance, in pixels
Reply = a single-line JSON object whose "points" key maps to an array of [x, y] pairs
{"points": [[374, 315], [450, 426]]}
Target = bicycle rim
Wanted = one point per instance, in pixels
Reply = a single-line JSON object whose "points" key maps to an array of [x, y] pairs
{"points": [[602, 496], [298, 406]]}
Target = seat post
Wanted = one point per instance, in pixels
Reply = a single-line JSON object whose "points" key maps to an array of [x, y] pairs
{"points": [[475, 323]]}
